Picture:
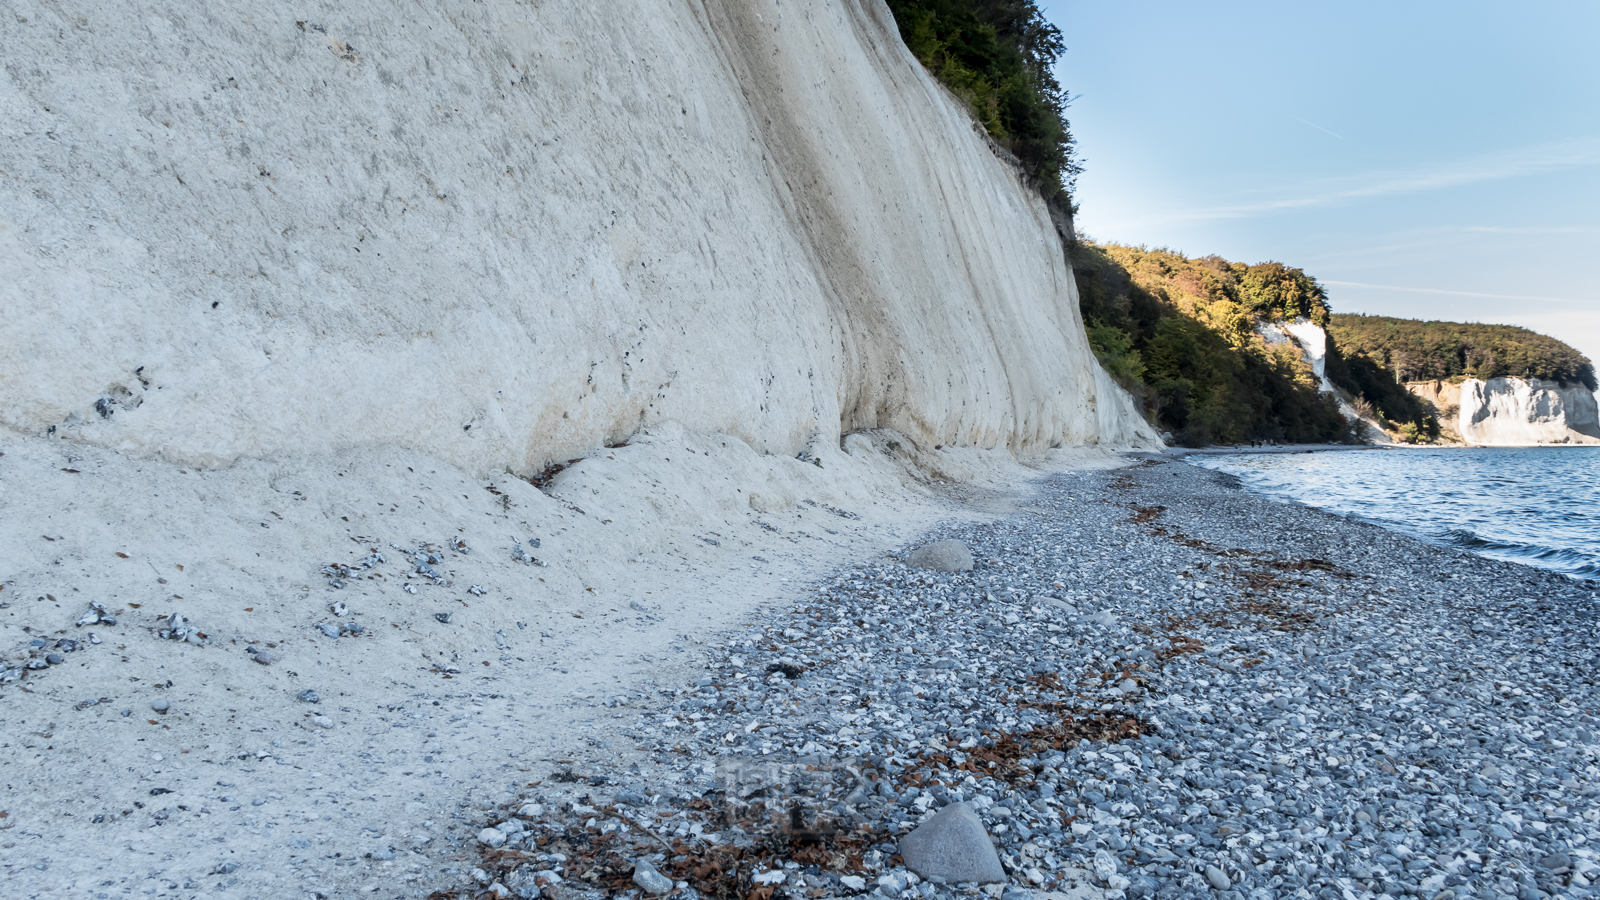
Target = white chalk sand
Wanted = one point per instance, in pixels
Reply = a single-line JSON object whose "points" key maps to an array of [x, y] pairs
{"points": [[649, 550]]}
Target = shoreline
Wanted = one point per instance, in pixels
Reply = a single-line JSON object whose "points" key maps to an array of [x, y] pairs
{"points": [[1322, 448], [1459, 533]]}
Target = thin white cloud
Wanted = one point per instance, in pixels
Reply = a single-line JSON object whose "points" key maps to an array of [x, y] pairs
{"points": [[1372, 251], [1516, 163], [1417, 290], [1316, 126], [1569, 229], [1444, 236]]}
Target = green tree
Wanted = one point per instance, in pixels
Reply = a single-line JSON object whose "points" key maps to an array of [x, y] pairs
{"points": [[999, 57], [1114, 348], [1430, 350]]}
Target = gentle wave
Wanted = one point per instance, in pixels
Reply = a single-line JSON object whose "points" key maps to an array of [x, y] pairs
{"points": [[1461, 537], [1538, 506], [1562, 558]]}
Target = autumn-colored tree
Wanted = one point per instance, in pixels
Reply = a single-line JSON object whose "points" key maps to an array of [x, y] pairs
{"points": [[1206, 373]]}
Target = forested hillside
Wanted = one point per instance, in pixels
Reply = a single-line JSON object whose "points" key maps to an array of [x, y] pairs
{"points": [[1181, 334], [1421, 351]]}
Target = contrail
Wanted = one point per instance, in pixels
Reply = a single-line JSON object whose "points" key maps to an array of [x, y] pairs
{"points": [[1533, 160], [1417, 290], [1316, 126]]}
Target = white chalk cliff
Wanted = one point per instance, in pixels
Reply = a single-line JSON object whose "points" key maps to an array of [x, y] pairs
{"points": [[1514, 411], [1312, 341], [282, 286], [505, 233]]}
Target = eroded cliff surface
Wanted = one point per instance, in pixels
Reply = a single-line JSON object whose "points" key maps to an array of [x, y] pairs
{"points": [[504, 234], [1514, 411]]}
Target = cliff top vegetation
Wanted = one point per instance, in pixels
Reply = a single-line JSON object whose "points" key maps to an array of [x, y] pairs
{"points": [[999, 56], [1182, 335], [1232, 296], [1424, 351]]}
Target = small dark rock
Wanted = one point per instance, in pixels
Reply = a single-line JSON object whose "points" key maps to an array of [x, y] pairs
{"points": [[787, 669]]}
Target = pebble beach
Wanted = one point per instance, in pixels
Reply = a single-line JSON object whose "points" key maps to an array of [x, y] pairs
{"points": [[1151, 684]]}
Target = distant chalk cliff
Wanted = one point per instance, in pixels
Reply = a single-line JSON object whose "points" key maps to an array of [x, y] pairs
{"points": [[1514, 411]]}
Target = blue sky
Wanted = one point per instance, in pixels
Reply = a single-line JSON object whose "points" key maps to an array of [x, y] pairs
{"points": [[1420, 159]]}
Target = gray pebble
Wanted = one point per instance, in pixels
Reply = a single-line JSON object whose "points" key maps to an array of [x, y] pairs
{"points": [[942, 556], [1311, 732], [649, 880], [953, 846]]}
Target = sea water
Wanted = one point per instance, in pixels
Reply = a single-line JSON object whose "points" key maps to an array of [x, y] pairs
{"points": [[1533, 505]]}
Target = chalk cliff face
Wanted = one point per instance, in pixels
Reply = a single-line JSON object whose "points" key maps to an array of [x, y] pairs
{"points": [[1514, 411], [1312, 341], [1309, 338], [504, 233]]}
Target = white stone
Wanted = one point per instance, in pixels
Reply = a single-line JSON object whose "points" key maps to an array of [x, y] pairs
{"points": [[1105, 865], [1312, 340], [1520, 411]]}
